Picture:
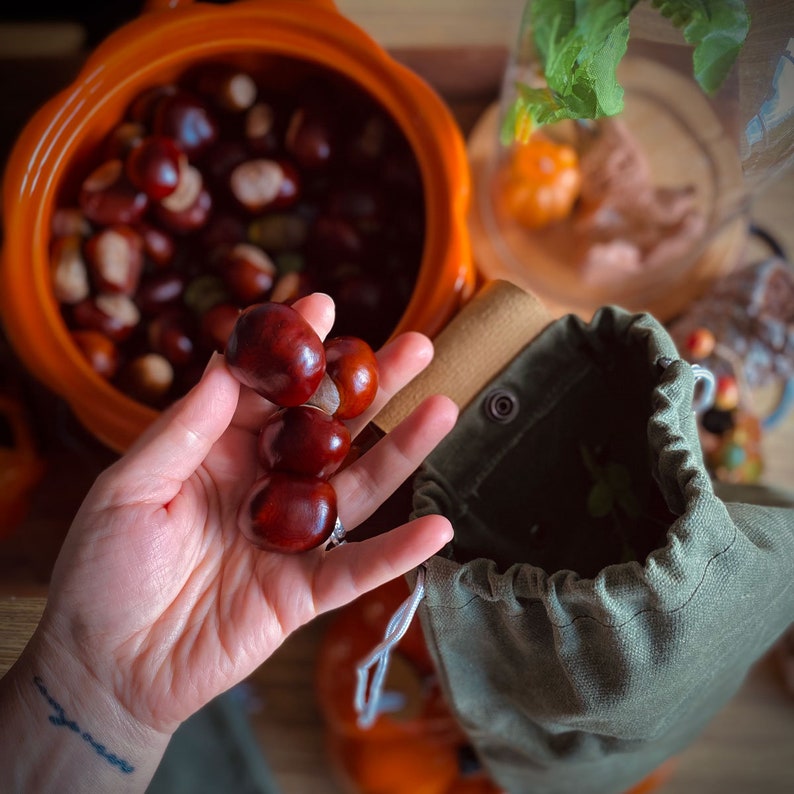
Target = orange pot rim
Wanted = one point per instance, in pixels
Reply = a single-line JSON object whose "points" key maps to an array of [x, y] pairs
{"points": [[139, 54]]}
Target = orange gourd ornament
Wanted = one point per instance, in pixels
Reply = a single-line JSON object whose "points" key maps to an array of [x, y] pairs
{"points": [[540, 182], [415, 746], [394, 767]]}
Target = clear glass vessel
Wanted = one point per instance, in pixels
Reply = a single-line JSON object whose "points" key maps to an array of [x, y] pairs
{"points": [[666, 185]]}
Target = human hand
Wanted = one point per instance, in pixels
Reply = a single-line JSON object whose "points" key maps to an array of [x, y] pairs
{"points": [[159, 601]]}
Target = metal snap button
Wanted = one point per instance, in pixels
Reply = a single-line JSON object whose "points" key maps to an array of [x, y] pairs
{"points": [[501, 405]]}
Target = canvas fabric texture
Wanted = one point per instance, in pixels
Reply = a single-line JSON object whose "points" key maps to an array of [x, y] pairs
{"points": [[599, 603]]}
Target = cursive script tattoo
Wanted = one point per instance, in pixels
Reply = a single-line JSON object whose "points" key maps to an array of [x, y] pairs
{"points": [[59, 719]]}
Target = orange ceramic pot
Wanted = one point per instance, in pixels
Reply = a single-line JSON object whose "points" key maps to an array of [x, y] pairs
{"points": [[154, 49]]}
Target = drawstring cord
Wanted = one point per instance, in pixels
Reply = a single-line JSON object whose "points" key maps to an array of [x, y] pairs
{"points": [[705, 400], [369, 697]]}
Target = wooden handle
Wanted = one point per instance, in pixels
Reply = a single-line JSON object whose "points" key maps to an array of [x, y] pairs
{"points": [[476, 345], [18, 620]]}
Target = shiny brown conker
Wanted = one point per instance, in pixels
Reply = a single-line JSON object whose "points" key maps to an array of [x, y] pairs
{"points": [[303, 440], [288, 513], [274, 351], [108, 197], [352, 366], [153, 166], [188, 120]]}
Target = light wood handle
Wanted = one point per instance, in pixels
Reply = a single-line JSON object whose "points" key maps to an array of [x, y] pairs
{"points": [[476, 345]]}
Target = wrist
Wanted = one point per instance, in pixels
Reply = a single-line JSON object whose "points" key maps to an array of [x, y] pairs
{"points": [[61, 729]]}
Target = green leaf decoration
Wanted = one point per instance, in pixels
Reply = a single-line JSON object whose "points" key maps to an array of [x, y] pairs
{"points": [[581, 42], [611, 488], [717, 29], [529, 110], [580, 45], [600, 500]]}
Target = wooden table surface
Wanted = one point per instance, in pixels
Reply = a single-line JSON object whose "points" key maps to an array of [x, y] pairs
{"points": [[460, 47]]}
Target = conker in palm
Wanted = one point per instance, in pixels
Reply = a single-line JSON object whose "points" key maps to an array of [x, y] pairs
{"points": [[288, 513], [303, 440], [274, 351]]}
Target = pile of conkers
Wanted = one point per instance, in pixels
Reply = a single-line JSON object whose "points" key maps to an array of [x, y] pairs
{"points": [[220, 190], [273, 350]]}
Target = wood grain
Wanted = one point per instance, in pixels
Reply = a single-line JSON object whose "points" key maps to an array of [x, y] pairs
{"points": [[19, 617]]}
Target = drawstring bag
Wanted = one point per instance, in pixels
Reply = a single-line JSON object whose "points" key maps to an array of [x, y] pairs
{"points": [[599, 603]]}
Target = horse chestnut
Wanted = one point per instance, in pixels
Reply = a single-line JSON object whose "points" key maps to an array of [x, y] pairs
{"points": [[303, 440], [219, 189], [153, 166], [115, 257], [274, 351], [100, 351], [249, 273], [187, 120], [69, 270], [353, 368], [288, 513], [107, 197]]}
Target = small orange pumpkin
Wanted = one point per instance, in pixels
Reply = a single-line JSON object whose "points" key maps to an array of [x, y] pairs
{"points": [[475, 784], [354, 632], [412, 749], [540, 182], [395, 766]]}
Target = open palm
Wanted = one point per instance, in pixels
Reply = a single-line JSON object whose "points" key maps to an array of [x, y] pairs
{"points": [[158, 594]]}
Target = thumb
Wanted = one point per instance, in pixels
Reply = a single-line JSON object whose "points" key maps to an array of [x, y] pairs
{"points": [[177, 442]]}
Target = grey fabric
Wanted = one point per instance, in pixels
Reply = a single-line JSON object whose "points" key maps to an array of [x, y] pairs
{"points": [[599, 603], [215, 752]]}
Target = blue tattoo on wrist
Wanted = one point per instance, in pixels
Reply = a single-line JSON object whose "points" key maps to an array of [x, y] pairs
{"points": [[59, 718]]}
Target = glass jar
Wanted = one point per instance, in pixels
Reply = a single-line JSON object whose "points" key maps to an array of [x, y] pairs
{"points": [[665, 186]]}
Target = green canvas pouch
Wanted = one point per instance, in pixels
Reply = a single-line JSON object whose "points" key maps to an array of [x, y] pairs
{"points": [[599, 602]]}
